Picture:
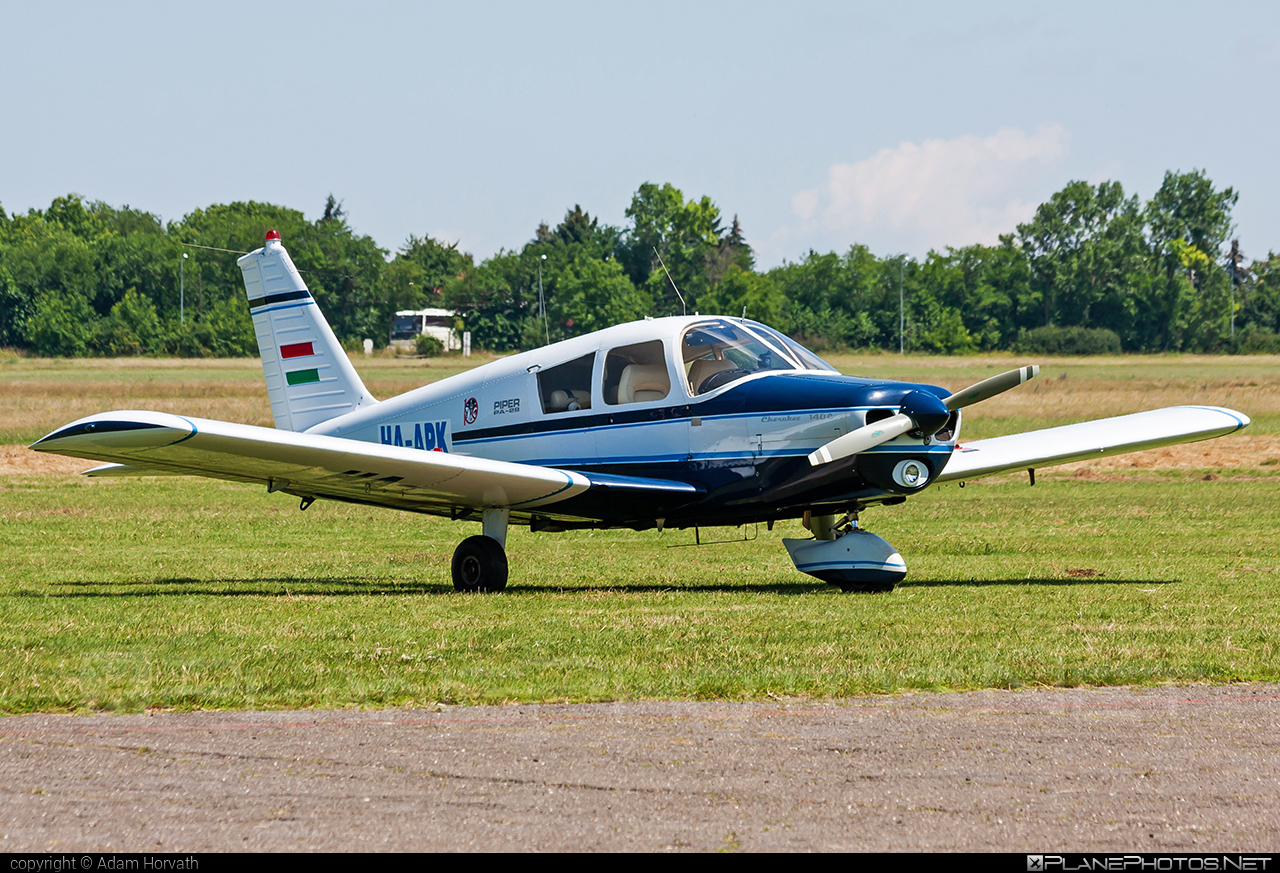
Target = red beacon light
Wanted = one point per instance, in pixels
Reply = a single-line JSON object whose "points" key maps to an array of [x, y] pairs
{"points": [[273, 235]]}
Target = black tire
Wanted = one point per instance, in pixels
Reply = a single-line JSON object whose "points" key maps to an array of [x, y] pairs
{"points": [[479, 564]]}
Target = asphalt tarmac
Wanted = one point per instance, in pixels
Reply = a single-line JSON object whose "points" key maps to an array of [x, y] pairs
{"points": [[1154, 770]]}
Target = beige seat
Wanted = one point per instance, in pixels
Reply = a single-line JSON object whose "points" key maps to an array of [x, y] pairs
{"points": [[558, 401], [704, 368], [641, 382]]}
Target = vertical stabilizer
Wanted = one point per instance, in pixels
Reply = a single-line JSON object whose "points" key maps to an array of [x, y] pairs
{"points": [[309, 377]]}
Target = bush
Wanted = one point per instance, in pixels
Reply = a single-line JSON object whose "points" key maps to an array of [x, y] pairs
{"points": [[428, 346], [1258, 342], [132, 328], [1068, 341], [62, 325]]}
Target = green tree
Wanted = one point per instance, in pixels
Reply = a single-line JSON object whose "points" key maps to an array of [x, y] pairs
{"points": [[417, 277], [684, 235], [1189, 221], [132, 328], [1188, 208], [740, 292], [343, 269], [60, 325], [833, 300], [495, 300], [1086, 249], [580, 231], [590, 294]]}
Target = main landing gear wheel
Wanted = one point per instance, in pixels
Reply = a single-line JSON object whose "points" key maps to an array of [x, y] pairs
{"points": [[479, 564]]}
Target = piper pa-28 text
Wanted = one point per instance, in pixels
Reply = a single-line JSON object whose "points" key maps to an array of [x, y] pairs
{"points": [[668, 422]]}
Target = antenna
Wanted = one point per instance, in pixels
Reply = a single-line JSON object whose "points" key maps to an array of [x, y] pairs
{"points": [[684, 307], [542, 303]]}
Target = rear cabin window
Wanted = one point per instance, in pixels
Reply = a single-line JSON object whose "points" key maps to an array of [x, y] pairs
{"points": [[636, 374], [567, 387]]}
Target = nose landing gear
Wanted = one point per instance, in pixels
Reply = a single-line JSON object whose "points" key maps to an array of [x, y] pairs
{"points": [[846, 556]]}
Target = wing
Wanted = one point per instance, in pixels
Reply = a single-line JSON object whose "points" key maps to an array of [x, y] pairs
{"points": [[1090, 439], [308, 465]]}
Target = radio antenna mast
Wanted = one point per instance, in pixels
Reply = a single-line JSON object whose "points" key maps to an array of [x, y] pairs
{"points": [[684, 307]]}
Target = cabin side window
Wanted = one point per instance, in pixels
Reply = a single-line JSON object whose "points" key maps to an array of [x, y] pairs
{"points": [[636, 374], [567, 387]]}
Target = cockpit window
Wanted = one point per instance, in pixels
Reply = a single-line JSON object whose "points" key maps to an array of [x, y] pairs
{"points": [[567, 387], [808, 360], [718, 352]]}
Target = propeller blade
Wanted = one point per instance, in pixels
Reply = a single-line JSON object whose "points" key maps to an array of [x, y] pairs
{"points": [[988, 388], [871, 435], [866, 437]]}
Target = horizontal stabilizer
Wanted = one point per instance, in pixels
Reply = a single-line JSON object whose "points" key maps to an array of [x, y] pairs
{"points": [[1090, 439]]}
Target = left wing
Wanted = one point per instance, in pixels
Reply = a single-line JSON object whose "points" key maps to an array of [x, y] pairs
{"points": [[309, 465], [1090, 439]]}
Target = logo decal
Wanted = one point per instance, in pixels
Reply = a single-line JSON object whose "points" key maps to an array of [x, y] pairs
{"points": [[470, 411]]}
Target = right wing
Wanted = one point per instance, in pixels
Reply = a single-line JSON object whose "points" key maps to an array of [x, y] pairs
{"points": [[310, 465], [1090, 439]]}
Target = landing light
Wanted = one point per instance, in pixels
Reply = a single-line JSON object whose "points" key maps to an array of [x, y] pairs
{"points": [[910, 474]]}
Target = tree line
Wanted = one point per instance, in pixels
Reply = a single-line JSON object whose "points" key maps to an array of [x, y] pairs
{"points": [[1095, 270]]}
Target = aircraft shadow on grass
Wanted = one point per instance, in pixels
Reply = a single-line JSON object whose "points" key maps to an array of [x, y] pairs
{"points": [[1059, 582], [272, 586], [349, 586]]}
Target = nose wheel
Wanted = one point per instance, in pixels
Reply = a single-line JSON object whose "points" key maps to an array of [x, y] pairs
{"points": [[846, 556]]}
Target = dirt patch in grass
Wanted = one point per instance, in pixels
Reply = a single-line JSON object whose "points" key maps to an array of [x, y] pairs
{"points": [[21, 461], [1233, 452]]}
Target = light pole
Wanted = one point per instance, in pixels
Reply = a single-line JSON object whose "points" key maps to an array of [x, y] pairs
{"points": [[182, 290]]}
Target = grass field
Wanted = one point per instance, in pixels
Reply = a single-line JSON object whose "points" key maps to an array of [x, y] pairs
{"points": [[185, 593]]}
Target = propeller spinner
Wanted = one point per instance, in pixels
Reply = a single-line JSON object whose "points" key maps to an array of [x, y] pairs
{"points": [[920, 412]]}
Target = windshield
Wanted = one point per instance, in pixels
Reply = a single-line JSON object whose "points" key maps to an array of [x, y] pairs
{"points": [[808, 360], [718, 352]]}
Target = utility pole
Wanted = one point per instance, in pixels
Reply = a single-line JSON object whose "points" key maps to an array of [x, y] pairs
{"points": [[1234, 259], [182, 289]]}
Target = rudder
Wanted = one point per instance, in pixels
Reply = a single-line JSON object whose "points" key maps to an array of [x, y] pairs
{"points": [[309, 377]]}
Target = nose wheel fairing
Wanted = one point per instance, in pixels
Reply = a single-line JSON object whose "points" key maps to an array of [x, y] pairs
{"points": [[856, 561]]}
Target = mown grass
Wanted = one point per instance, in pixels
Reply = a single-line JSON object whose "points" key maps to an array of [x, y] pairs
{"points": [[189, 594], [182, 593]]}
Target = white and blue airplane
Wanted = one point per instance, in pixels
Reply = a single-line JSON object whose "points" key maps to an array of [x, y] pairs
{"points": [[670, 422]]}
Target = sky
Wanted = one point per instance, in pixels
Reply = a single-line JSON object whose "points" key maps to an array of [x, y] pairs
{"points": [[903, 127]]}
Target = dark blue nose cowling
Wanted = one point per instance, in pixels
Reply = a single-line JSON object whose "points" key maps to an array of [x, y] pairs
{"points": [[926, 410]]}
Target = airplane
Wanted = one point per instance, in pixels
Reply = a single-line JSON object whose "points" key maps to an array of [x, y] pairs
{"points": [[689, 421]]}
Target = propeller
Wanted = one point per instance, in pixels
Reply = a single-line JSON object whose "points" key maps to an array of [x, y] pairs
{"points": [[920, 411]]}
